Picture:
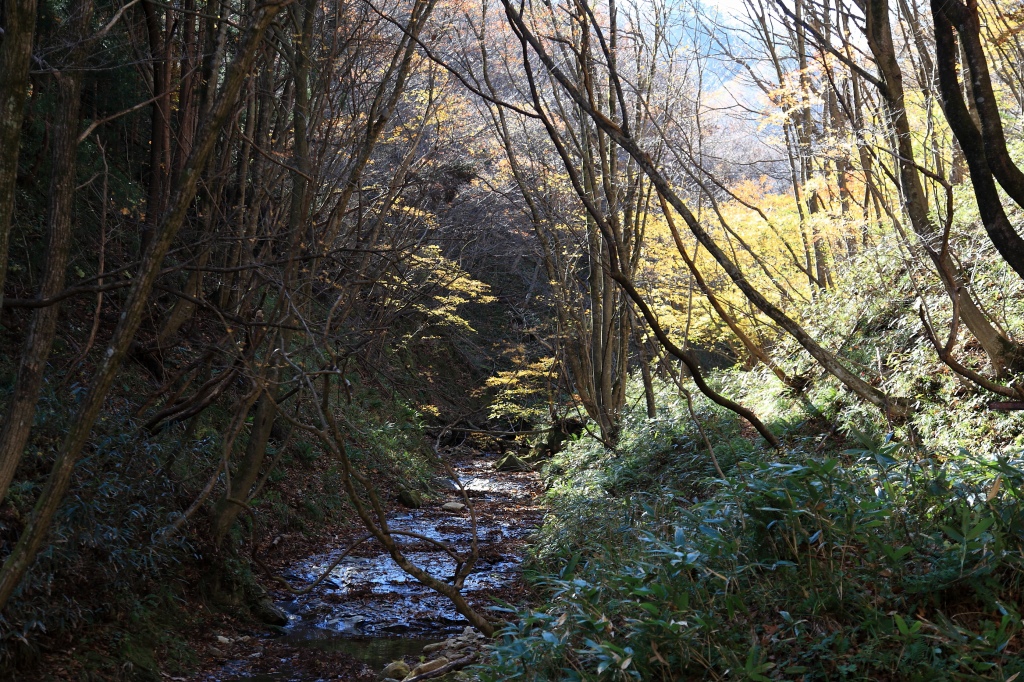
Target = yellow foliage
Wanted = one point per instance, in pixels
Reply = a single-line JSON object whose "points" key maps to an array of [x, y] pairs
{"points": [[521, 391], [449, 285]]}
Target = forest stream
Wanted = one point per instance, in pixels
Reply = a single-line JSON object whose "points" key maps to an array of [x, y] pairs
{"points": [[371, 610]]}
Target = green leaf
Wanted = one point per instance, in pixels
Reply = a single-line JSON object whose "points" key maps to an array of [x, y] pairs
{"points": [[679, 537], [570, 567], [896, 553], [953, 533], [885, 461], [710, 532], [982, 526]]}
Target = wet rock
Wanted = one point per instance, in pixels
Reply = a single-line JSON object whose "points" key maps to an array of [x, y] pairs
{"points": [[266, 611], [441, 483], [551, 443], [428, 667], [468, 642], [394, 670], [410, 498], [456, 644], [511, 463], [453, 506], [463, 450]]}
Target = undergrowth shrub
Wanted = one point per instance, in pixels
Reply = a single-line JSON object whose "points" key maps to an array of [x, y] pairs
{"points": [[875, 559], [110, 571]]}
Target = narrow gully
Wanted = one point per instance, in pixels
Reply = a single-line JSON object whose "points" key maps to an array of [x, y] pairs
{"points": [[371, 609]]}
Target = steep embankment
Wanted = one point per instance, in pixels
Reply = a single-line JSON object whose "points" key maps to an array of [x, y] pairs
{"points": [[852, 554]]}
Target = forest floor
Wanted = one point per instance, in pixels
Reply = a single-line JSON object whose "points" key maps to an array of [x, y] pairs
{"points": [[368, 612]]}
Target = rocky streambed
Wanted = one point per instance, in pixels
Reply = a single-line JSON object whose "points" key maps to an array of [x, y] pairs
{"points": [[368, 614]]}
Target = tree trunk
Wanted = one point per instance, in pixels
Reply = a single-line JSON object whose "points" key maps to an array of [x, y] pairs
{"points": [[624, 140], [19, 22], [1001, 351], [985, 149], [645, 373], [248, 470], [38, 523], [160, 122], [22, 407]]}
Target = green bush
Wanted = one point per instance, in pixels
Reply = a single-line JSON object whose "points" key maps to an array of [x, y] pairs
{"points": [[878, 561]]}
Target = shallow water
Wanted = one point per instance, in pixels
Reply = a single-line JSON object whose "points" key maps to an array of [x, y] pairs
{"points": [[375, 652], [370, 608], [371, 595]]}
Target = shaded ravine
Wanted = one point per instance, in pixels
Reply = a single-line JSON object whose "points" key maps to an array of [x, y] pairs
{"points": [[371, 609]]}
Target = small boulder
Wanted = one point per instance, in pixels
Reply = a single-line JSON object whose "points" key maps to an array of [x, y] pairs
{"points": [[436, 646], [217, 653], [410, 498], [394, 670], [428, 667], [511, 463], [453, 506], [268, 612], [551, 443]]}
